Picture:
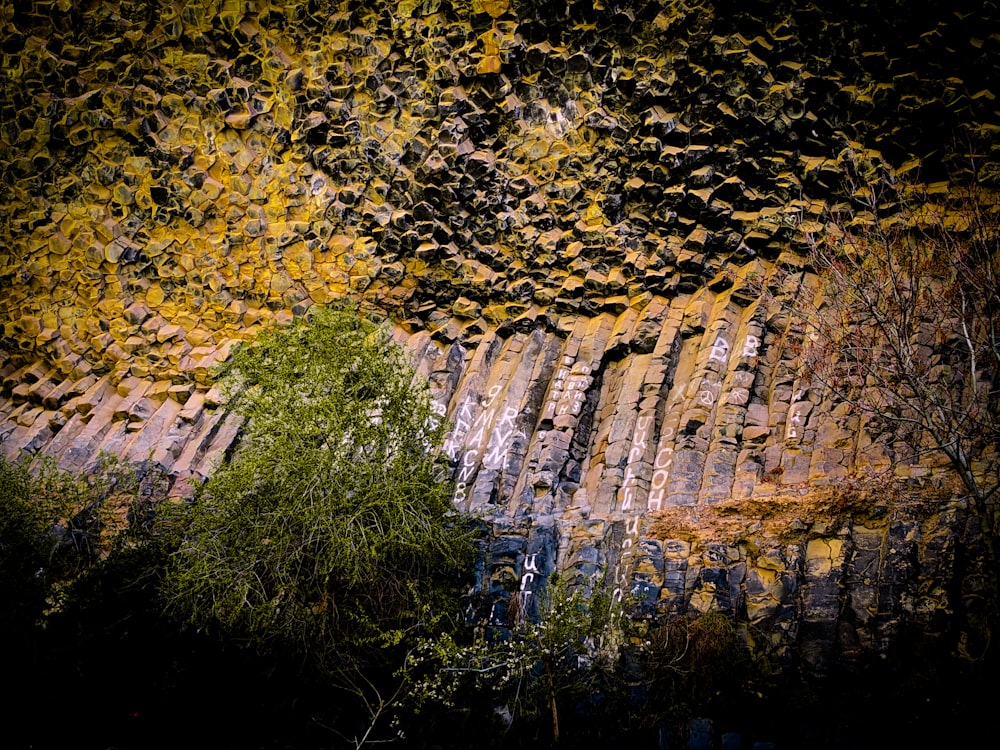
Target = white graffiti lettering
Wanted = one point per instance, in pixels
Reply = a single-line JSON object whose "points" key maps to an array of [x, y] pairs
{"points": [[661, 471], [664, 458], [655, 500], [493, 393], [640, 436], [750, 347], [463, 421], [626, 498], [468, 467], [707, 394], [477, 437], [465, 410], [794, 423], [639, 439], [794, 416], [451, 448], [566, 392], [496, 457], [720, 350]]}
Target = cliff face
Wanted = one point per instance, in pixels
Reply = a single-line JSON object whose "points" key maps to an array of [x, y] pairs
{"points": [[561, 209]]}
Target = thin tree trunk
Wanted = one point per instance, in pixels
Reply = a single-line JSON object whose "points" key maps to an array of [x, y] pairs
{"points": [[553, 705], [555, 717]]}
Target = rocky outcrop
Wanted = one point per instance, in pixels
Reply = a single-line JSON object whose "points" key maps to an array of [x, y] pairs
{"points": [[565, 212]]}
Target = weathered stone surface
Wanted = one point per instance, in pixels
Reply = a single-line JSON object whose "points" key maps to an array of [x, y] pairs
{"points": [[572, 261]]}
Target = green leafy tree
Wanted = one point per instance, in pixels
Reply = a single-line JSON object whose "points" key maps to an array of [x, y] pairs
{"points": [[330, 531]]}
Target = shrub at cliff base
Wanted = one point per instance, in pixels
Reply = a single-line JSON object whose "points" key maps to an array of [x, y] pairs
{"points": [[330, 532], [55, 527], [509, 683]]}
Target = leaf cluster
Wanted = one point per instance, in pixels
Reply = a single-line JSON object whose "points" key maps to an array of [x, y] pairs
{"points": [[526, 672], [330, 527], [55, 527]]}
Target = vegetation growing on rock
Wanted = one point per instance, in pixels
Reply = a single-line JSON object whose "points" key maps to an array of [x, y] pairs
{"points": [[561, 204], [331, 527]]}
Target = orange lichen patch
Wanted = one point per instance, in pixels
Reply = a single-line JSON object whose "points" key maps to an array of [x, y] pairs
{"points": [[787, 514]]}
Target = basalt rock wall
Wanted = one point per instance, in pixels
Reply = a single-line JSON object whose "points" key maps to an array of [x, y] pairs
{"points": [[564, 210]]}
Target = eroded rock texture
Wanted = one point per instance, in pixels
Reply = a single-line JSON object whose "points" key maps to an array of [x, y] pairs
{"points": [[560, 207]]}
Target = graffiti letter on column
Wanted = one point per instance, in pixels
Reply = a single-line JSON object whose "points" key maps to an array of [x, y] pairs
{"points": [[661, 471], [794, 423], [450, 448], [794, 416], [556, 391], [497, 455], [464, 414], [639, 439], [632, 530], [493, 393], [453, 443], [477, 437], [438, 410], [706, 396], [627, 498], [463, 421], [720, 350], [468, 466], [750, 346]]}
